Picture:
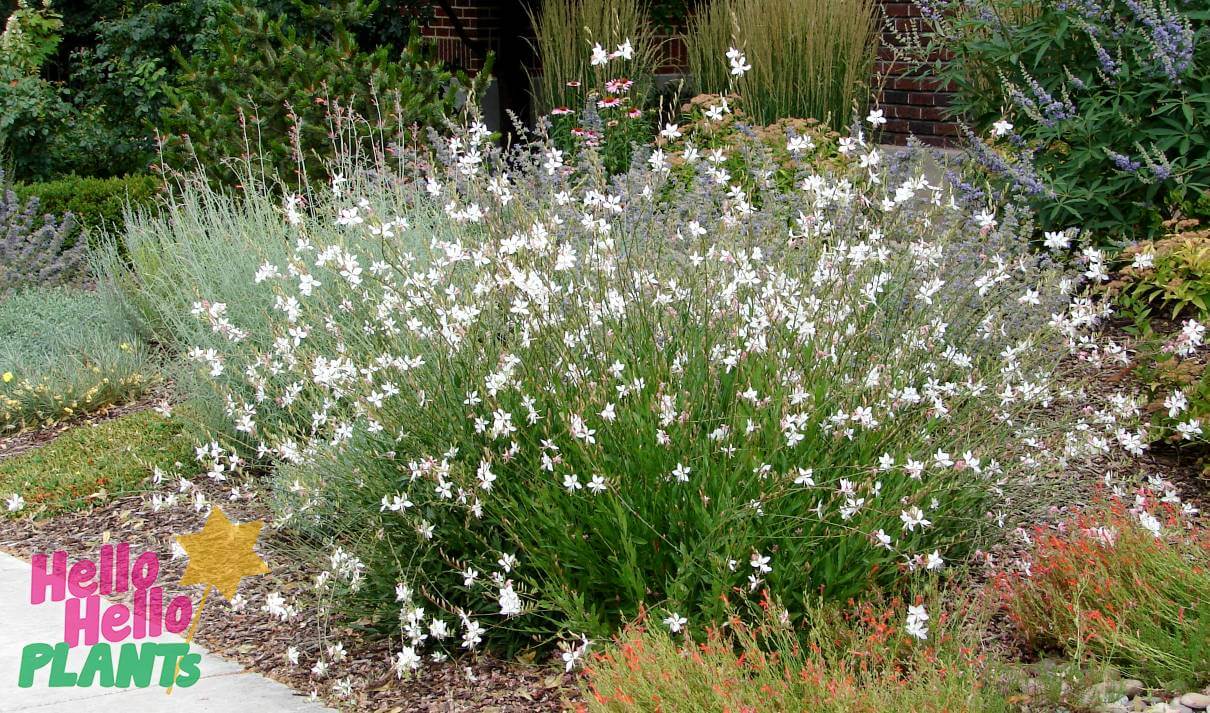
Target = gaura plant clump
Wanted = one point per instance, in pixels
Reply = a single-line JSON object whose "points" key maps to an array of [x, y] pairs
{"points": [[522, 400]]}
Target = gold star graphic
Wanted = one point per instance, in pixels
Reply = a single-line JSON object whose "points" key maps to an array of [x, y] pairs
{"points": [[221, 554]]}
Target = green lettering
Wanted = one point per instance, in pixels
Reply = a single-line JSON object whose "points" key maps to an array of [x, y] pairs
{"points": [[189, 673], [136, 663], [60, 677], [171, 653], [33, 657], [98, 662]]}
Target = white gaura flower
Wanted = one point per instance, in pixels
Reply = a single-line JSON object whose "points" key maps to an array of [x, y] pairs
{"points": [[1176, 402], [799, 144], [1190, 429], [917, 619], [554, 161], [608, 413], [509, 600], [405, 661], [934, 561], [739, 63], [913, 517], [599, 56], [15, 503], [1143, 260], [1149, 523], [658, 161], [671, 131], [681, 473], [1057, 240], [580, 430], [573, 655], [625, 50], [760, 563], [507, 562], [675, 622], [876, 118], [472, 634], [1001, 128], [485, 476], [571, 482], [597, 485]]}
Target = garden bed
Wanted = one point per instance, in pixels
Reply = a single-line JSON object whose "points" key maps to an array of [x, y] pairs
{"points": [[259, 641]]}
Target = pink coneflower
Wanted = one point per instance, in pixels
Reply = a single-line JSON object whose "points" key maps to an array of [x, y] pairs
{"points": [[609, 103], [573, 84], [618, 86], [560, 111]]}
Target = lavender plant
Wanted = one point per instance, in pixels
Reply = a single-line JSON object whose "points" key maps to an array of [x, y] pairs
{"points": [[36, 249], [1097, 107]]}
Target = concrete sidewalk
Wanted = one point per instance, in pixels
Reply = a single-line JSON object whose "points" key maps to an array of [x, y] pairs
{"points": [[224, 686]]}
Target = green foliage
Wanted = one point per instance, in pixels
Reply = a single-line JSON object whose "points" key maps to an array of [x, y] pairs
{"points": [[565, 34], [95, 203], [33, 111], [66, 353], [648, 537], [1103, 586], [857, 658], [1109, 100], [267, 89], [87, 98], [811, 59], [84, 97], [30, 37], [672, 14], [95, 461], [1172, 274], [1157, 283], [120, 76]]}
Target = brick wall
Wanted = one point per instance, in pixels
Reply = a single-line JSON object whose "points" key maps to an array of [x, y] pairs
{"points": [[913, 105], [674, 59], [480, 21]]}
